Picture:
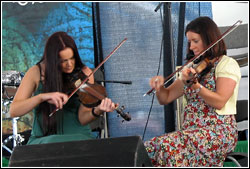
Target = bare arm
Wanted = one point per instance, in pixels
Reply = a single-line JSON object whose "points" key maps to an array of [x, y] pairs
{"points": [[24, 102], [169, 94], [218, 99]]}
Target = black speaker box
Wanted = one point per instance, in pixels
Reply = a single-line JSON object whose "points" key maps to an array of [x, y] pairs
{"points": [[108, 152]]}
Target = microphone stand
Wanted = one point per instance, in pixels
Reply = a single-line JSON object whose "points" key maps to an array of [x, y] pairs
{"points": [[158, 6], [114, 81]]}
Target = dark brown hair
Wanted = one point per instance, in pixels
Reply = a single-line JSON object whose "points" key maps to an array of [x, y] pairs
{"points": [[53, 81], [209, 32]]}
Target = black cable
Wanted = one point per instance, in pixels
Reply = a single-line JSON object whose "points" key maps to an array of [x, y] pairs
{"points": [[152, 102], [148, 117]]}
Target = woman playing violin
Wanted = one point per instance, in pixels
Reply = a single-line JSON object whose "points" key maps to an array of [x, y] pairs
{"points": [[43, 90], [209, 129]]}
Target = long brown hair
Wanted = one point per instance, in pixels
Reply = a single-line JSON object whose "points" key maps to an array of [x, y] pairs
{"points": [[53, 81]]}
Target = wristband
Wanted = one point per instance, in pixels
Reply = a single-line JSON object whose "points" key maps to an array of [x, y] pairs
{"points": [[94, 114], [199, 89]]}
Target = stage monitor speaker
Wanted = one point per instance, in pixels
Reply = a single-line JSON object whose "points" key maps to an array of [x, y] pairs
{"points": [[108, 152]]}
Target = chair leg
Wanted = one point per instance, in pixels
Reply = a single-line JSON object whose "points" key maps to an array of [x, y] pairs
{"points": [[234, 160]]}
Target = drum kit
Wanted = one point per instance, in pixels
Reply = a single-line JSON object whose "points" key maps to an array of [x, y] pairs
{"points": [[10, 82]]}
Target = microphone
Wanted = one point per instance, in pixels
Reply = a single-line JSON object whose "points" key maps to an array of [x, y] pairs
{"points": [[158, 6]]}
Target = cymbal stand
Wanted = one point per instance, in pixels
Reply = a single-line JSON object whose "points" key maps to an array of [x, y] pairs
{"points": [[17, 138], [5, 142]]}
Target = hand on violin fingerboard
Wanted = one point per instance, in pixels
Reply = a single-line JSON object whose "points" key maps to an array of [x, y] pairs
{"points": [[187, 75], [106, 106]]}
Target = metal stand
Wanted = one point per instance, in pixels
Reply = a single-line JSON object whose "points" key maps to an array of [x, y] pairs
{"points": [[104, 133], [5, 142], [17, 138]]}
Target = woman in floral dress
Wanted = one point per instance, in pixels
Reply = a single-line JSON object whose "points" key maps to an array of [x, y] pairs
{"points": [[209, 130]]}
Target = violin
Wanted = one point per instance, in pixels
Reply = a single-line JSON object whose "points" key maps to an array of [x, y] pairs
{"points": [[204, 64], [91, 95], [202, 68], [93, 92]]}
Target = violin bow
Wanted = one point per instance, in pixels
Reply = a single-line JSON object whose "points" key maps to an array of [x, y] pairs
{"points": [[190, 62], [87, 78]]}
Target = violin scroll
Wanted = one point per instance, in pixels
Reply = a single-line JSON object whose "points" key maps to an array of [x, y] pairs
{"points": [[91, 95], [125, 116]]}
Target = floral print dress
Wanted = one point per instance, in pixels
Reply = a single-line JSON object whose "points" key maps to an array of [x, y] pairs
{"points": [[205, 137]]}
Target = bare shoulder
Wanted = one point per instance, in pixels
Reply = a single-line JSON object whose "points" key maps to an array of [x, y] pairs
{"points": [[33, 75], [34, 72], [87, 71], [28, 84]]}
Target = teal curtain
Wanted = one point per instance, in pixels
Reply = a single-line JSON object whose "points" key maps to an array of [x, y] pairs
{"points": [[27, 25]]}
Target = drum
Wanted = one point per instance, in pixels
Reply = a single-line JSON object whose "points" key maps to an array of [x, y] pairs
{"points": [[10, 82], [11, 78]]}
